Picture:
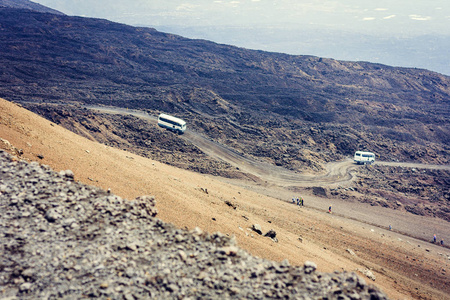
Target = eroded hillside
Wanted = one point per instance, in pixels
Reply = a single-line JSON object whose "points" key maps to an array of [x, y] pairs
{"points": [[418, 191], [295, 111], [404, 267]]}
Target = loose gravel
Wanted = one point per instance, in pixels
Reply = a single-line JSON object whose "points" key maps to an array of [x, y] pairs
{"points": [[61, 239]]}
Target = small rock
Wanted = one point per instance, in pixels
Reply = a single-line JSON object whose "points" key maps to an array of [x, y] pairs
{"points": [[285, 263], [368, 274], [271, 233], [182, 255], [197, 231], [257, 228], [28, 273], [351, 252], [172, 287], [131, 246], [231, 204], [309, 267], [104, 285], [52, 215], [25, 287], [68, 174], [234, 290], [229, 251], [202, 275]]}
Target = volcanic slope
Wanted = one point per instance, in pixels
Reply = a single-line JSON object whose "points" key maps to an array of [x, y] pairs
{"points": [[404, 267], [280, 108], [421, 189]]}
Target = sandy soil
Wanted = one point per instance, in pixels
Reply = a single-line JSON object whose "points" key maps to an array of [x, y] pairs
{"points": [[404, 267]]}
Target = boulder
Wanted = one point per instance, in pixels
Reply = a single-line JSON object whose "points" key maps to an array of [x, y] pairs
{"points": [[257, 228], [271, 233]]}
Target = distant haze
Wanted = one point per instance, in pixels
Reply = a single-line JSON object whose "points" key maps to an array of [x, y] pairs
{"points": [[411, 33]]}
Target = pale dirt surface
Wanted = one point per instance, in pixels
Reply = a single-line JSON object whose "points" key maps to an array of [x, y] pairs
{"points": [[404, 267]]}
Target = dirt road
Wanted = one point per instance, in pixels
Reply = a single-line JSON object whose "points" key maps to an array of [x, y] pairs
{"points": [[337, 173], [281, 183]]}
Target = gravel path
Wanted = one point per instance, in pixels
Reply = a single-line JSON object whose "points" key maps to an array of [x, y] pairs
{"points": [[63, 239]]}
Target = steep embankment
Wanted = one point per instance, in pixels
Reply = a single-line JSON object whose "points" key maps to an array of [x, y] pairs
{"points": [[98, 245], [187, 200]]}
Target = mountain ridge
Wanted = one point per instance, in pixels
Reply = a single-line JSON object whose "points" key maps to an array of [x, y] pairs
{"points": [[251, 101], [72, 59], [295, 112]]}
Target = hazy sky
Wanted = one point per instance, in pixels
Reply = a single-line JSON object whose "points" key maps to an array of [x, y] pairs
{"points": [[399, 17]]}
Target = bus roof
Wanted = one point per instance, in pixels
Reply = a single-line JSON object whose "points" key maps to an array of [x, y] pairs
{"points": [[364, 152], [172, 118]]}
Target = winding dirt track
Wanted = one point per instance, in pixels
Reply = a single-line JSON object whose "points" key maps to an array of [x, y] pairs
{"points": [[337, 173], [281, 183]]}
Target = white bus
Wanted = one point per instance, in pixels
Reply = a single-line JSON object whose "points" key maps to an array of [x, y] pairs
{"points": [[362, 157], [172, 123]]}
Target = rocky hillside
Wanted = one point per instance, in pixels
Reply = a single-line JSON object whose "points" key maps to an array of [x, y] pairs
{"points": [[294, 111], [413, 189], [422, 192], [93, 244]]}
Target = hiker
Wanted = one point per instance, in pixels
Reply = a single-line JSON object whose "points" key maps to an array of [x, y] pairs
{"points": [[390, 227], [434, 238], [298, 202], [293, 200], [329, 209], [301, 201], [442, 242]]}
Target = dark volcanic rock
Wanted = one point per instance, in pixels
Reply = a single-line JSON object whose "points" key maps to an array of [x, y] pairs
{"points": [[419, 191], [294, 111], [61, 239]]}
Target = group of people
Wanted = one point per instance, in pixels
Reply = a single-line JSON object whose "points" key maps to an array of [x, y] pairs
{"points": [[298, 200], [435, 240]]}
